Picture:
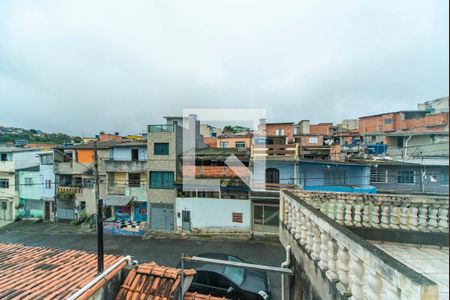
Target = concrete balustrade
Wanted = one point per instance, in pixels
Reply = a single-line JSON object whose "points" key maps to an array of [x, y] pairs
{"points": [[412, 213], [355, 268]]}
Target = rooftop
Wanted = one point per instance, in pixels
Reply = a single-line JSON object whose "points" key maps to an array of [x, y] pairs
{"points": [[29, 272]]}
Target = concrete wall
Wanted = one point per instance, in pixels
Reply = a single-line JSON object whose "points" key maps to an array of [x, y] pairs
{"points": [[313, 174], [286, 169], [215, 215], [33, 191], [46, 173], [26, 159], [124, 153]]}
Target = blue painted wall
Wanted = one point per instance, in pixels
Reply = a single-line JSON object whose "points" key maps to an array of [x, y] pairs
{"points": [[124, 153]]}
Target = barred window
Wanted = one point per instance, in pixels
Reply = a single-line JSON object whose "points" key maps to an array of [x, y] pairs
{"points": [[378, 176], [405, 177], [28, 181]]}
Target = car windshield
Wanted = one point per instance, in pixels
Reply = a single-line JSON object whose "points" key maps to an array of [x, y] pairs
{"points": [[234, 274]]}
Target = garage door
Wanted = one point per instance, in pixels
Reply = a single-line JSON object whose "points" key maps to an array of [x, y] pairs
{"points": [[161, 217]]}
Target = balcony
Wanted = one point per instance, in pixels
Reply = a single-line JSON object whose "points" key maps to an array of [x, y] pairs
{"points": [[161, 128], [128, 166], [68, 193], [275, 151], [328, 234], [139, 193]]}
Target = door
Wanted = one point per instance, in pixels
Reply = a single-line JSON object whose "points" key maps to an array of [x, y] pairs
{"points": [[185, 220], [161, 217], [4, 212], [134, 154], [47, 211], [272, 176]]}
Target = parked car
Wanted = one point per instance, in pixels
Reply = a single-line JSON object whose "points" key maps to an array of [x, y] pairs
{"points": [[227, 281]]}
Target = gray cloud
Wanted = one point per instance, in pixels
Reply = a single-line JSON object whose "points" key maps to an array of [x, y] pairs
{"points": [[84, 66]]}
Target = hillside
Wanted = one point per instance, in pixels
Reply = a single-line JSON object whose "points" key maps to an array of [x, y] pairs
{"points": [[14, 134]]}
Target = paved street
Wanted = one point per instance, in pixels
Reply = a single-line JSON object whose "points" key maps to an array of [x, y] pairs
{"points": [[163, 251]]}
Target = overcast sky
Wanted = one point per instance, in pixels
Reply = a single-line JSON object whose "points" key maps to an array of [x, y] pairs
{"points": [[85, 66]]}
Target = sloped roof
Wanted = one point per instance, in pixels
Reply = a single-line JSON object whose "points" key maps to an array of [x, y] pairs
{"points": [[32, 272], [117, 200], [151, 281]]}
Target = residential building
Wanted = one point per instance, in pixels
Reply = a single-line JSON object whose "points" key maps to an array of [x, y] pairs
{"points": [[107, 137], [414, 176], [126, 172], [356, 246], [436, 106], [210, 142], [74, 171], [164, 144], [348, 125], [30, 193], [209, 131], [283, 130], [315, 139], [48, 184], [218, 201], [408, 133], [235, 140], [12, 159]]}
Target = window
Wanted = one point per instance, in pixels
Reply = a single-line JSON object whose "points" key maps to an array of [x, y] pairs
{"points": [[334, 177], [279, 131], [161, 180], [213, 134], [28, 181], [88, 183], [388, 121], [240, 144], [4, 157], [134, 154], [4, 183], [444, 179], [82, 205], [237, 217], [223, 144], [378, 176], [68, 157], [161, 149], [405, 177], [134, 180], [4, 206], [313, 140], [48, 184]]}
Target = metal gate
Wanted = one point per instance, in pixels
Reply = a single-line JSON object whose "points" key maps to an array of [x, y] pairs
{"points": [[161, 217], [65, 210], [266, 217]]}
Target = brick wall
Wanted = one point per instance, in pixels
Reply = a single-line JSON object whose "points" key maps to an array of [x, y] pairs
{"points": [[271, 129]]}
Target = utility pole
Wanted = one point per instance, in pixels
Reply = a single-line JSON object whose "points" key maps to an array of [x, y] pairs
{"points": [[99, 213]]}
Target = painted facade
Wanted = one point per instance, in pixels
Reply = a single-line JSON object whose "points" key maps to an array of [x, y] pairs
{"points": [[30, 193]]}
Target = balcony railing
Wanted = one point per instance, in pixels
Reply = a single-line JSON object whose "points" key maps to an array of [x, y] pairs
{"points": [[69, 189], [347, 263], [414, 213], [263, 151], [161, 128], [131, 166]]}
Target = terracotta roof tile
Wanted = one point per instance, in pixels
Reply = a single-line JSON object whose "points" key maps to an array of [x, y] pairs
{"points": [[45, 273], [196, 296], [151, 281]]}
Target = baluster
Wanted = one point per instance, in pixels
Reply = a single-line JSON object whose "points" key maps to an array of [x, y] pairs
{"points": [[423, 217], [324, 207], [316, 243], [309, 235], [391, 292], [366, 214], [385, 210], [443, 219], [348, 214], [331, 207], [303, 228], [287, 218], [357, 218], [375, 285], [298, 224], [433, 220], [324, 240], [395, 214], [340, 212], [413, 217], [375, 214], [404, 217], [357, 277], [332, 272], [344, 270]]}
